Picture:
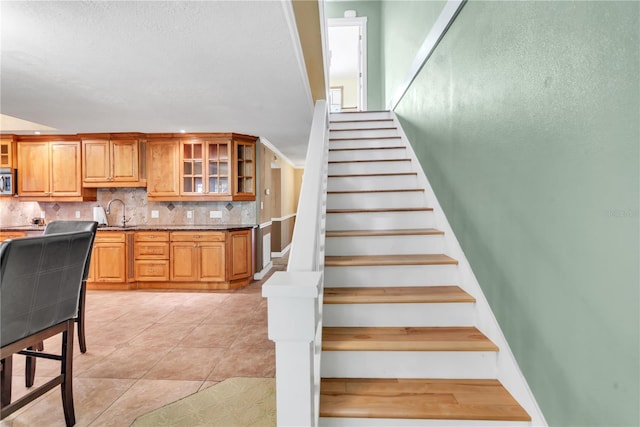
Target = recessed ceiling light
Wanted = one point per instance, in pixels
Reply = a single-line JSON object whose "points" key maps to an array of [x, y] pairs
{"points": [[37, 132], [182, 131]]}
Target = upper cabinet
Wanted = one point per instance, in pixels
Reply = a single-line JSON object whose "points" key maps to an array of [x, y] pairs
{"points": [[50, 170], [7, 151], [112, 160], [201, 167]]}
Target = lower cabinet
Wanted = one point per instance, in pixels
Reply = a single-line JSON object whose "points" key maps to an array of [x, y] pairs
{"points": [[108, 268], [151, 249]]}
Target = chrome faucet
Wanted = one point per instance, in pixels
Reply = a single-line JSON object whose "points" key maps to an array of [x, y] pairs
{"points": [[124, 207]]}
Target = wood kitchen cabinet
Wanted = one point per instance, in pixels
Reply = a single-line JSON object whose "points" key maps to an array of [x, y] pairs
{"points": [[108, 268], [4, 235], [112, 160], [50, 170], [197, 256], [240, 247], [151, 253], [7, 151], [201, 167]]}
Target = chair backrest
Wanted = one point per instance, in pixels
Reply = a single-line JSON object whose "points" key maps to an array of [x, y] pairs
{"points": [[40, 280], [55, 227]]}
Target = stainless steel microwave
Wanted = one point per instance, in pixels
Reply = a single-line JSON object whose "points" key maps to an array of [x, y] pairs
{"points": [[8, 184]]}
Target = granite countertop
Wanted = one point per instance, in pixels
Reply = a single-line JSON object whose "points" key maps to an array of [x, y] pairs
{"points": [[157, 227]]}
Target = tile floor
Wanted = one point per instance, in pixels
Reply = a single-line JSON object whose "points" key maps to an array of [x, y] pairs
{"points": [[147, 349]]}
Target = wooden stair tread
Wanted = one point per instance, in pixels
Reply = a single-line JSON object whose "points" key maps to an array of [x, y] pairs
{"points": [[369, 160], [362, 137], [361, 210], [428, 338], [440, 399], [358, 129], [354, 175], [387, 190], [396, 295], [367, 148], [360, 120], [378, 233], [380, 260]]}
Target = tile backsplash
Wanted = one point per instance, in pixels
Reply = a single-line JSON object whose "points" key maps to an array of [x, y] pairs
{"points": [[138, 210]]}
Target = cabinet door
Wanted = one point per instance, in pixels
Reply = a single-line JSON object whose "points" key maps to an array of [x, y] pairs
{"points": [[211, 268], [124, 160], [218, 168], [241, 261], [65, 169], [244, 186], [6, 152], [109, 262], [184, 260], [34, 169], [192, 173], [96, 160], [162, 170]]}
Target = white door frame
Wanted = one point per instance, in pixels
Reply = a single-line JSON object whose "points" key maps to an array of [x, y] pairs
{"points": [[361, 22]]}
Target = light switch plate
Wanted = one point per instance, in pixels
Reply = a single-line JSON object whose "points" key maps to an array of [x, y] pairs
{"points": [[189, 214], [77, 214], [215, 214], [155, 214]]}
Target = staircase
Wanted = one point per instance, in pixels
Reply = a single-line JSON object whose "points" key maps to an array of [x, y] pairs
{"points": [[401, 341]]}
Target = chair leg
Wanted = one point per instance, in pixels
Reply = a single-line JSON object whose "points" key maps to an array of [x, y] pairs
{"points": [[5, 381], [67, 371], [30, 365], [80, 319]]}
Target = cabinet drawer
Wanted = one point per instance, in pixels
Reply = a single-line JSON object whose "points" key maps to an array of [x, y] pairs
{"points": [[152, 250], [152, 236], [152, 270], [109, 236], [194, 236]]}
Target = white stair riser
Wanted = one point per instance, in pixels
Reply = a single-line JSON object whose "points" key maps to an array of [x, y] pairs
{"points": [[366, 115], [375, 182], [373, 154], [376, 200], [385, 245], [391, 276], [379, 220], [388, 422], [409, 364], [370, 167], [365, 133], [366, 143], [401, 314], [368, 124]]}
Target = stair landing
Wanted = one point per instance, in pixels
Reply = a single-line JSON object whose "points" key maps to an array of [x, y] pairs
{"points": [[441, 399]]}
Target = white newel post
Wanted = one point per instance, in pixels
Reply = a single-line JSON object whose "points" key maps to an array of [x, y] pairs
{"points": [[293, 318]]}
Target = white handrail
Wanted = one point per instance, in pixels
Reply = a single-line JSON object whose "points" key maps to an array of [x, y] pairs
{"points": [[294, 297]]}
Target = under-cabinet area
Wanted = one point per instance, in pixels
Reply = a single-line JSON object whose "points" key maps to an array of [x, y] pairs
{"points": [[180, 259]]}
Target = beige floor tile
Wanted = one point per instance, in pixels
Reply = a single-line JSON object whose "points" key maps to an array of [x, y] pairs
{"points": [[239, 362], [221, 336], [113, 333], [253, 336], [162, 335], [144, 396], [184, 363], [192, 314], [126, 362]]}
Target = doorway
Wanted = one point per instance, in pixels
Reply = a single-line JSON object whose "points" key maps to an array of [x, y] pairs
{"points": [[347, 64]]}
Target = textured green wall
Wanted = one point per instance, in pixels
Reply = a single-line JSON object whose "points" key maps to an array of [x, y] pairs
{"points": [[401, 46], [526, 120], [370, 9]]}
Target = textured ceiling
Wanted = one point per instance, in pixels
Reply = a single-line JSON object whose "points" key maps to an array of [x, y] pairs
{"points": [[157, 67]]}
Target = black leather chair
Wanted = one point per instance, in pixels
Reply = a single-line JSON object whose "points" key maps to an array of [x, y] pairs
{"points": [[40, 282], [67, 227]]}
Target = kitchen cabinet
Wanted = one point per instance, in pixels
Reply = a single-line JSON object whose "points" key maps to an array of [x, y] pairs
{"points": [[240, 264], [201, 167], [111, 160], [151, 249], [163, 169], [4, 235], [50, 171], [108, 268], [197, 256], [7, 151]]}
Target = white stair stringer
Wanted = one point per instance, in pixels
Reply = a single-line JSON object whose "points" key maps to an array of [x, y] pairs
{"points": [[351, 170]]}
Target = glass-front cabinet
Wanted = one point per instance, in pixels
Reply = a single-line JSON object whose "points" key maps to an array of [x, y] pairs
{"points": [[212, 167]]}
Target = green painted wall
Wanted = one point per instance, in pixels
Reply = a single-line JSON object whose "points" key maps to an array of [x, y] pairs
{"points": [[402, 44], [370, 9], [526, 120]]}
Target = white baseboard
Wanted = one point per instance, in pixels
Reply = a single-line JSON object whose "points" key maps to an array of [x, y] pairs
{"points": [[260, 275], [281, 254]]}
